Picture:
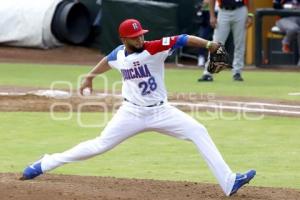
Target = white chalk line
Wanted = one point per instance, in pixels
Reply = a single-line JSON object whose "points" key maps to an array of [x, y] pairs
{"points": [[216, 104], [294, 93], [258, 103], [238, 108], [12, 93]]}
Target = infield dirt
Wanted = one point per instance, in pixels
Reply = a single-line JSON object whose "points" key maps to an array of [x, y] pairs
{"points": [[62, 187]]}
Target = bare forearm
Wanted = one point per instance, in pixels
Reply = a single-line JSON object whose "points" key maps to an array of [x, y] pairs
{"points": [[212, 4], [194, 41], [100, 68]]}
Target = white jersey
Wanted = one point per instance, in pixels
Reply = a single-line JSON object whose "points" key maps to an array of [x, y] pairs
{"points": [[143, 73]]}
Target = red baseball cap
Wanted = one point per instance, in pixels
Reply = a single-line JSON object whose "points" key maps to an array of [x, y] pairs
{"points": [[131, 28]]}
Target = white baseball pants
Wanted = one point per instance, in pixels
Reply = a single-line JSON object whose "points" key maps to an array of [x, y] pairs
{"points": [[131, 120]]}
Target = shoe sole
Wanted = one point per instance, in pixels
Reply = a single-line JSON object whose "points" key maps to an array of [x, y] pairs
{"points": [[205, 80], [23, 178], [242, 185]]}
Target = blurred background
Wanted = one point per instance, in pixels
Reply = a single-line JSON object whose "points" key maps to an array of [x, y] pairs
{"points": [[94, 24]]}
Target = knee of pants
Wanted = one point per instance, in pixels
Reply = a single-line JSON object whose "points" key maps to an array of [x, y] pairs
{"points": [[196, 131], [104, 144]]}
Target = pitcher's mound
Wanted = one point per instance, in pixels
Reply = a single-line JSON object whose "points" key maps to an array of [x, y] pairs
{"points": [[62, 187]]}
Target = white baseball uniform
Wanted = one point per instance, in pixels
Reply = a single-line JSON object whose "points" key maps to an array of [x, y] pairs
{"points": [[145, 108]]}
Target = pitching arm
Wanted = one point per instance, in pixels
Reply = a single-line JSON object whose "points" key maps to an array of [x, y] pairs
{"points": [[100, 68]]}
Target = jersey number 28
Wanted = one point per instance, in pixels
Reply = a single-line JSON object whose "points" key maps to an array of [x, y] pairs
{"points": [[148, 86]]}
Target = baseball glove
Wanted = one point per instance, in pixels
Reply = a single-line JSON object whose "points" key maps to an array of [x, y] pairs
{"points": [[219, 60]]}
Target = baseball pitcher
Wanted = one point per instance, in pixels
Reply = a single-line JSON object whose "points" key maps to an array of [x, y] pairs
{"points": [[145, 106]]}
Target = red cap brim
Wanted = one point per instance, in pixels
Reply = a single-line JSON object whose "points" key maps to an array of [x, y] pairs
{"points": [[141, 32]]}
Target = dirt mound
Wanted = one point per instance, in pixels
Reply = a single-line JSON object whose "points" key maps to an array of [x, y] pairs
{"points": [[34, 103], [62, 187]]}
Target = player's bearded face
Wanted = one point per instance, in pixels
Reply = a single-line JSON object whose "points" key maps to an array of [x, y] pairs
{"points": [[135, 44]]}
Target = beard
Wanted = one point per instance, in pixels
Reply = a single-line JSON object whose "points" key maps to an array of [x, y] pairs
{"points": [[135, 49]]}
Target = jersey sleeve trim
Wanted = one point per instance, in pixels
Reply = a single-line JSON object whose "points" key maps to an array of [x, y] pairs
{"points": [[166, 43], [113, 55], [181, 41]]}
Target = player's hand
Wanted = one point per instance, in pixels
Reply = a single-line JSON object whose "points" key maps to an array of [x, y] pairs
{"points": [[249, 21], [214, 47], [87, 83], [213, 21]]}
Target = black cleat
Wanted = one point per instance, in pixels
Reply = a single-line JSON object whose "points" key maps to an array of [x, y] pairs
{"points": [[206, 78], [237, 77]]}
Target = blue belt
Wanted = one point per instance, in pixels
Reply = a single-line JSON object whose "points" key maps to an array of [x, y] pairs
{"points": [[153, 105]]}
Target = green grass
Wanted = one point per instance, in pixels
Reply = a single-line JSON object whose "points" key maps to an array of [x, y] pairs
{"points": [[271, 85], [270, 145]]}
